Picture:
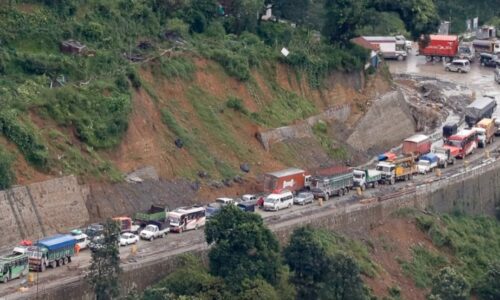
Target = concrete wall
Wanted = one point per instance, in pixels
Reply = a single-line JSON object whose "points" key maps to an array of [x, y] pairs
{"points": [[303, 129], [474, 191], [41, 209]]}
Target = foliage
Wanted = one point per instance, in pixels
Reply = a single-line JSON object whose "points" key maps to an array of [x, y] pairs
{"points": [[105, 264], [319, 269], [423, 265], [457, 11], [320, 130], [236, 104], [243, 247], [257, 289], [382, 23], [7, 176], [177, 67], [449, 285], [292, 10], [343, 17], [241, 15], [488, 287]]}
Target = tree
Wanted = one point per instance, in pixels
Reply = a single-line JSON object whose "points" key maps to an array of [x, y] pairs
{"points": [[244, 248], [7, 176], [105, 266], [449, 285], [319, 273], [242, 15], [489, 286], [343, 18], [257, 289], [292, 10]]}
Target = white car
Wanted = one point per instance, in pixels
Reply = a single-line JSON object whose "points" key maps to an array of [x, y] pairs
{"points": [[128, 239], [458, 65]]}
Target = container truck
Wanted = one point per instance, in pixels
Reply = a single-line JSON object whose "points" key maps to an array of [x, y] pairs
{"points": [[438, 47], [401, 168], [488, 133], [479, 109], [445, 155], [53, 251], [154, 213], [291, 179], [417, 145], [336, 184], [427, 163], [487, 46], [366, 178], [389, 46]]}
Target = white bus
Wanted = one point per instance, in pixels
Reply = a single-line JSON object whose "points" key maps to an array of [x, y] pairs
{"points": [[186, 218]]}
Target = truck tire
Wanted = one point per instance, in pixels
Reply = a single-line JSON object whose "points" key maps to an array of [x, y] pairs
{"points": [[428, 58], [341, 192], [410, 176], [445, 164], [392, 181], [375, 184], [5, 278], [363, 187], [400, 58], [447, 59], [65, 261], [437, 58], [151, 239], [42, 267], [327, 197], [53, 264]]}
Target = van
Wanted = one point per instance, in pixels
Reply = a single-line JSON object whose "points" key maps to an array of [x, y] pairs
{"points": [[458, 65], [82, 240], [278, 201]]}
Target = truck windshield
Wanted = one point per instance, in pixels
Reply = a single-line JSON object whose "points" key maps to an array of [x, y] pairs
{"points": [[423, 163], [384, 168], [358, 176], [35, 254]]}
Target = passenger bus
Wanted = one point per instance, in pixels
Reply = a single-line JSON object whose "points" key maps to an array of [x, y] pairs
{"points": [[186, 218], [465, 141], [13, 266]]}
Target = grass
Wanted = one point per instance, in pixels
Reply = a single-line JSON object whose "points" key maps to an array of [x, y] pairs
{"points": [[320, 131], [285, 108], [423, 266]]}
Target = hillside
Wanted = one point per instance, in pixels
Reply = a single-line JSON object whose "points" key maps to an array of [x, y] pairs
{"points": [[143, 81]]}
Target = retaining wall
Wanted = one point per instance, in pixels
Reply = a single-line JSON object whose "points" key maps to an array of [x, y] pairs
{"points": [[472, 192]]}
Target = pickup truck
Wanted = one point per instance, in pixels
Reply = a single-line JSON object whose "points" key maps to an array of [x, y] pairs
{"points": [[427, 163], [445, 156], [366, 178], [154, 230]]}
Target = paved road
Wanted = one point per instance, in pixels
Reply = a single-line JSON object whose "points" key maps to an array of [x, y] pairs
{"points": [[479, 79]]}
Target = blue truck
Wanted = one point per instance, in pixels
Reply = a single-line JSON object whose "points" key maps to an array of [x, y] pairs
{"points": [[427, 163], [53, 251]]}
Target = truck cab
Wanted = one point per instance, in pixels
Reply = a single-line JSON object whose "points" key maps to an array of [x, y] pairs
{"points": [[445, 156], [387, 170], [427, 163], [481, 136]]}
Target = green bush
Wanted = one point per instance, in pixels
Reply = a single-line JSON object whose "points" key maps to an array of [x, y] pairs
{"points": [[177, 67], [7, 176], [236, 104], [423, 265]]}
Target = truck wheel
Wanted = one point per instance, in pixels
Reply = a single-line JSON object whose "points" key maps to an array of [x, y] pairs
{"points": [[151, 239], [437, 58], [5, 278], [341, 192], [428, 58], [375, 184], [363, 187], [327, 197], [42, 268], [69, 259], [392, 181], [400, 57], [447, 59], [445, 165], [410, 176], [53, 264]]}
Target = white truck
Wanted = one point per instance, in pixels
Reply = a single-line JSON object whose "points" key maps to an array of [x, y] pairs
{"points": [[445, 155], [154, 230], [389, 46], [427, 163], [366, 178]]}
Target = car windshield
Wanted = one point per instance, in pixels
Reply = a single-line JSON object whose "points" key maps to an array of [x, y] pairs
{"points": [[125, 236], [301, 195]]}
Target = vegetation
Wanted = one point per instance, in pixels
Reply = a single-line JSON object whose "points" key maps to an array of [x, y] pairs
{"points": [[105, 264], [488, 287], [449, 285], [423, 266], [7, 176]]}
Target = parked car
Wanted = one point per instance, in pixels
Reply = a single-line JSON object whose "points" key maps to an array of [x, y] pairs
{"points": [[128, 238], [458, 65], [489, 60], [225, 201], [303, 198], [247, 206], [278, 201]]}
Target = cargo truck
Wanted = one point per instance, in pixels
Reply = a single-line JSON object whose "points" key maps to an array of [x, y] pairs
{"points": [[154, 213], [401, 168], [427, 163], [447, 156], [487, 46], [330, 185], [487, 134], [389, 46], [366, 178], [291, 179], [53, 251], [438, 47], [417, 145], [479, 109], [126, 224], [449, 129]]}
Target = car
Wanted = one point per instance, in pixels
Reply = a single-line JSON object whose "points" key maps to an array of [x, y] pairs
{"points": [[247, 206], [489, 60], [128, 238], [458, 65], [303, 198]]}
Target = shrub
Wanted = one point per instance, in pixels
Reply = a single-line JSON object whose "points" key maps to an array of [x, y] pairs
{"points": [[236, 104], [7, 176], [177, 26], [449, 285], [134, 78], [488, 287], [177, 67]]}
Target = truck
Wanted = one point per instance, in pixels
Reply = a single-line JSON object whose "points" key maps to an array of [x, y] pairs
{"points": [[12, 266], [479, 109], [417, 145], [438, 47], [154, 230], [53, 251], [366, 178], [487, 46], [401, 168], [447, 156], [126, 224], [466, 51], [292, 179], [427, 162], [488, 131], [154, 213], [389, 46], [335, 184], [449, 129]]}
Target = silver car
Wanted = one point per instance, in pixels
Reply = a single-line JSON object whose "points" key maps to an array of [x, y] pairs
{"points": [[458, 65], [303, 198]]}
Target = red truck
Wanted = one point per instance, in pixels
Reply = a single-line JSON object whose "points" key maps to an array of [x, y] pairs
{"points": [[291, 179], [417, 145], [438, 47]]}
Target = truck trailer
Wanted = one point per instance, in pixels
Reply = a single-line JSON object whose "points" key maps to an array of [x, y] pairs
{"points": [[389, 46], [479, 109], [53, 251], [417, 145], [438, 47], [291, 179], [154, 213], [487, 46]]}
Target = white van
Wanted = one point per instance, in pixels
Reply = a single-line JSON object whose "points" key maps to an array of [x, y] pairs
{"points": [[82, 240], [278, 201]]}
